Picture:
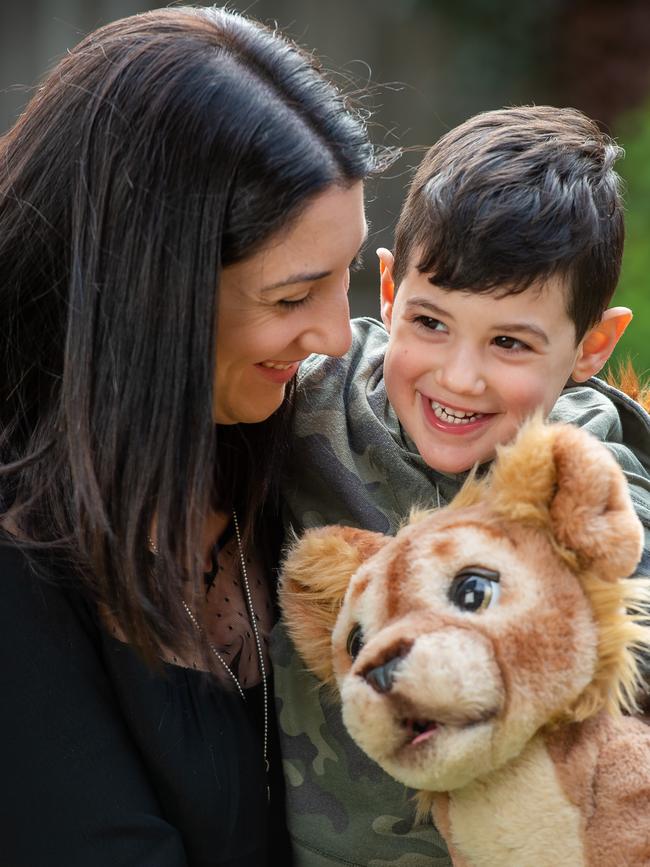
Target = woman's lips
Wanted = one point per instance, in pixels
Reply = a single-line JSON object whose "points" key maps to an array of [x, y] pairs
{"points": [[278, 371], [458, 423]]}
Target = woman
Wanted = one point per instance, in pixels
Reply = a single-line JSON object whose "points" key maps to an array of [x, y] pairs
{"points": [[179, 206]]}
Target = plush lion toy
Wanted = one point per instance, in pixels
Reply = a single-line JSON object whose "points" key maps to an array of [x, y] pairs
{"points": [[484, 655]]}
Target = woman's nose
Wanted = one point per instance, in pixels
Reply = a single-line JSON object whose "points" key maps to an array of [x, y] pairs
{"points": [[329, 332]]}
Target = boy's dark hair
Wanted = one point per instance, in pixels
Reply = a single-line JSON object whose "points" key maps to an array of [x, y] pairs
{"points": [[515, 196]]}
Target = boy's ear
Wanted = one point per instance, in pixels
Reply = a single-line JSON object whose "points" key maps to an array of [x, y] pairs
{"points": [[386, 285], [599, 342]]}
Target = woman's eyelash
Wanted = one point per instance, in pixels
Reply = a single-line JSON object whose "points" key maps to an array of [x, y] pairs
{"points": [[355, 265], [293, 303]]}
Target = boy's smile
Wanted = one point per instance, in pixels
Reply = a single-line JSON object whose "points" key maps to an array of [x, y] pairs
{"points": [[452, 419], [462, 370]]}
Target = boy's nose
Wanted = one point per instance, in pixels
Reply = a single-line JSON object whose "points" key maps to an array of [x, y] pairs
{"points": [[461, 374]]}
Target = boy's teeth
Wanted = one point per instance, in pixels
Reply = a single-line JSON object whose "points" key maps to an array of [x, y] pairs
{"points": [[453, 416]]}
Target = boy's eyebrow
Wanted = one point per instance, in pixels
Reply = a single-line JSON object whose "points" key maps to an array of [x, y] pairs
{"points": [[429, 305], [312, 277], [523, 326], [519, 327]]}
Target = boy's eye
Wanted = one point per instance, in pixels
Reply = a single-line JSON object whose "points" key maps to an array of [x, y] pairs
{"points": [[430, 323], [505, 342]]}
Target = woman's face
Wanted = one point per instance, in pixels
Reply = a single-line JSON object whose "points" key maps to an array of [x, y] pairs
{"points": [[285, 302]]}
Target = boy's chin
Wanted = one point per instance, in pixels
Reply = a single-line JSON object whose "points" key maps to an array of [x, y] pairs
{"points": [[452, 461]]}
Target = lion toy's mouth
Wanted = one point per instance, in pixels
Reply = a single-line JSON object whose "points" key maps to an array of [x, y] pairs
{"points": [[418, 731], [425, 745]]}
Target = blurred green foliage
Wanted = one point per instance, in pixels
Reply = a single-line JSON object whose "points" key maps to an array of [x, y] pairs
{"points": [[634, 287]]}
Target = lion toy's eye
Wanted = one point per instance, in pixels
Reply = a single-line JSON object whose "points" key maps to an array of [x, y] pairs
{"points": [[475, 589], [354, 642]]}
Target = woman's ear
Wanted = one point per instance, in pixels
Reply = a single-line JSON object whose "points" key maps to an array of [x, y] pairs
{"points": [[598, 343], [386, 285]]}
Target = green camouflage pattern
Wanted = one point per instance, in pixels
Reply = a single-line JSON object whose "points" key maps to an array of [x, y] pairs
{"points": [[353, 464]]}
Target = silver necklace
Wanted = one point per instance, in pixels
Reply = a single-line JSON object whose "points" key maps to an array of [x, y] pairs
{"points": [[258, 642]]}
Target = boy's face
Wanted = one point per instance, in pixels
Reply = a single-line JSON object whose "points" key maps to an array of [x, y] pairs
{"points": [[463, 370]]}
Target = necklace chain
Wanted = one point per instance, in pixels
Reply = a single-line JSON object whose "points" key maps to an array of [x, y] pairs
{"points": [[214, 650], [258, 642]]}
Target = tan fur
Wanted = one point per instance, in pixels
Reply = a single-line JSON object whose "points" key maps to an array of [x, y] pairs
{"points": [[604, 765], [527, 694], [315, 576], [568, 477], [591, 476], [488, 837], [436, 805]]}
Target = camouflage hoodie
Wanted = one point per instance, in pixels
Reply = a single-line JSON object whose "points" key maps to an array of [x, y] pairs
{"points": [[352, 463]]}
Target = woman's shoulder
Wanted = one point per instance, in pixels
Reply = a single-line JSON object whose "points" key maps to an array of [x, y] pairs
{"points": [[39, 603]]}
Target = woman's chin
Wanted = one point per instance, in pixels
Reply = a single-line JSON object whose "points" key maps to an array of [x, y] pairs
{"points": [[250, 412]]}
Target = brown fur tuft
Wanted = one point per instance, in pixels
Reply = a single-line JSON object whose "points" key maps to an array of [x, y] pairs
{"points": [[424, 806], [522, 481], [626, 379], [621, 613], [575, 491], [315, 576], [547, 479]]}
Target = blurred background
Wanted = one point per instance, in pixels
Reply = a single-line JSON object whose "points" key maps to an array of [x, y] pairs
{"points": [[427, 65]]}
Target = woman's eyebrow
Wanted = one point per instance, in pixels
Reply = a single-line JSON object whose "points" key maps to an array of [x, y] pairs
{"points": [[305, 277], [312, 277]]}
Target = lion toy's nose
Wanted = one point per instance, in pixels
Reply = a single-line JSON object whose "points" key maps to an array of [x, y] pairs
{"points": [[381, 677]]}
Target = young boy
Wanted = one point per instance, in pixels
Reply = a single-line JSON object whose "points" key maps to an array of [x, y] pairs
{"points": [[507, 253]]}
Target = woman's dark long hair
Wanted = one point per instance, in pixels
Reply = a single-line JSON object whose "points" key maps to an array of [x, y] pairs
{"points": [[162, 148]]}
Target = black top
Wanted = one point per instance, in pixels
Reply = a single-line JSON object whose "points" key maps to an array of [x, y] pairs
{"points": [[105, 763]]}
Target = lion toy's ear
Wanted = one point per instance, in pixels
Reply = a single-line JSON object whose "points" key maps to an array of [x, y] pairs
{"points": [[315, 577], [562, 477]]}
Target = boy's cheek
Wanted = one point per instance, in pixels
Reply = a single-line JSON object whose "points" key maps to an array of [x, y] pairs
{"points": [[403, 363], [527, 396]]}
